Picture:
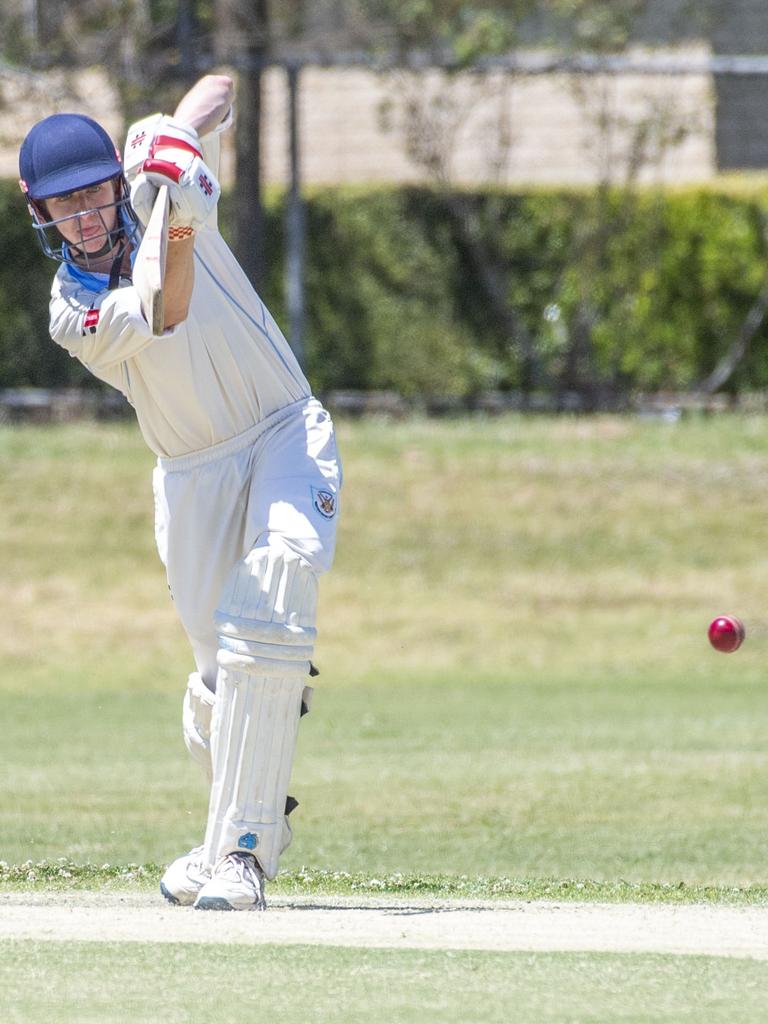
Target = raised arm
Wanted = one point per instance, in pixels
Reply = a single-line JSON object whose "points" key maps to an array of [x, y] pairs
{"points": [[206, 104], [203, 108]]}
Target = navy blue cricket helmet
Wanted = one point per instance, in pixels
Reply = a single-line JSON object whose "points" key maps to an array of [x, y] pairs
{"points": [[64, 153]]}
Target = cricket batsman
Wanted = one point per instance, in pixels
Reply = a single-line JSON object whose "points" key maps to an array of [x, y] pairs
{"points": [[247, 479]]}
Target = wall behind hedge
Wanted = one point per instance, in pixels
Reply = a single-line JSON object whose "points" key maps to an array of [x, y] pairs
{"points": [[426, 294]]}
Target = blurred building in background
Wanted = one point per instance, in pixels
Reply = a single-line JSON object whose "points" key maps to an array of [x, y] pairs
{"points": [[521, 126]]}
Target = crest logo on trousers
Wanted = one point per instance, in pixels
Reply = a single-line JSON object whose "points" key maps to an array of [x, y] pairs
{"points": [[324, 502]]}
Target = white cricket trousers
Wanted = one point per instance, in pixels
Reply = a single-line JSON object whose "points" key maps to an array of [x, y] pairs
{"points": [[277, 482]]}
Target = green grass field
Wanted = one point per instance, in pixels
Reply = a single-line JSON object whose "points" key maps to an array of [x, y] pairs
{"points": [[515, 686], [312, 985]]}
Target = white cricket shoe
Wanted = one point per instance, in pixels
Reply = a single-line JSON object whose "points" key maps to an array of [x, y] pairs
{"points": [[184, 879], [237, 883]]}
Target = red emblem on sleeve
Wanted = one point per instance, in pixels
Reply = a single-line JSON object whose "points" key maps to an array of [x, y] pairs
{"points": [[91, 321]]}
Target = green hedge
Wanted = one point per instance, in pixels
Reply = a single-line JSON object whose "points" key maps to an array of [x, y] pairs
{"points": [[427, 294]]}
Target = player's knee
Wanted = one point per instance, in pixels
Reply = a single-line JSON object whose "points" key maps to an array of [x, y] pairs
{"points": [[316, 551], [266, 616]]}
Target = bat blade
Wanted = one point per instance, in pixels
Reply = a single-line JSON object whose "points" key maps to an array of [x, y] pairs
{"points": [[149, 265]]}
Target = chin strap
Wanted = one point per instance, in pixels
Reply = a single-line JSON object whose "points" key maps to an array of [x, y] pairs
{"points": [[86, 259], [114, 273]]}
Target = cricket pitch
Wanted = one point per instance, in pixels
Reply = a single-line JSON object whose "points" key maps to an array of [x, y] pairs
{"points": [[449, 925]]}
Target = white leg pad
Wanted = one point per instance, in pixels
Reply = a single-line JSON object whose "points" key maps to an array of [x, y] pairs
{"points": [[266, 633], [196, 720]]}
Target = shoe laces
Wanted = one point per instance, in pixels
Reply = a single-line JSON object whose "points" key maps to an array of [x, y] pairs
{"points": [[241, 867]]}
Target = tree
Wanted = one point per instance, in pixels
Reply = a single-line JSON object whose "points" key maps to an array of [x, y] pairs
{"points": [[430, 106], [242, 39], [559, 352], [137, 42], [596, 295]]}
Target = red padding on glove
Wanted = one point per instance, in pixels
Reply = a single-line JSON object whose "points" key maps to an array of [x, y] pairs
{"points": [[164, 167], [169, 142]]}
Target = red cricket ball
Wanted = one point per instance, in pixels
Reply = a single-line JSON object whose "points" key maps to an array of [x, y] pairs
{"points": [[726, 633]]}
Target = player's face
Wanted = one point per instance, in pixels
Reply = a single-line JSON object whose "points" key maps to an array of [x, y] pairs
{"points": [[85, 217]]}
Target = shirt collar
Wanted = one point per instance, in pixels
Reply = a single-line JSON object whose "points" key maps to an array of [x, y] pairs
{"points": [[93, 282]]}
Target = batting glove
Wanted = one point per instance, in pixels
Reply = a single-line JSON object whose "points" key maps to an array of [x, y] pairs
{"points": [[141, 137], [175, 160]]}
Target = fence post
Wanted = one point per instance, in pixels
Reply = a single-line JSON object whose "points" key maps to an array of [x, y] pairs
{"points": [[295, 226]]}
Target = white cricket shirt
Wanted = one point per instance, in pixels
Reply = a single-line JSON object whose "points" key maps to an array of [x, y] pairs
{"points": [[223, 370]]}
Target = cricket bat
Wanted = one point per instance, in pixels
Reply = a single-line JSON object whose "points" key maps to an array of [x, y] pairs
{"points": [[149, 265]]}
